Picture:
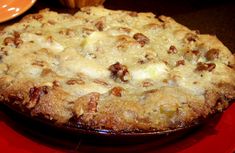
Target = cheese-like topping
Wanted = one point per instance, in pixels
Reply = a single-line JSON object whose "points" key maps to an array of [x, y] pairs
{"points": [[42, 42], [156, 71], [94, 40], [187, 78], [91, 42], [73, 63]]}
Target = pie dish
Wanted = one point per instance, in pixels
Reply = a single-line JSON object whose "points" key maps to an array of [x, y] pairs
{"points": [[116, 71]]}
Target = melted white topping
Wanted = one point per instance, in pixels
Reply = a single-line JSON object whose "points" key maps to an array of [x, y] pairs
{"points": [[42, 42], [156, 71]]}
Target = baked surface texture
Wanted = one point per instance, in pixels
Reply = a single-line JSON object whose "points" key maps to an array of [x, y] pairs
{"points": [[115, 70]]}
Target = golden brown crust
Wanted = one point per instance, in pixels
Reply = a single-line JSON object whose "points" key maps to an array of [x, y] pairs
{"points": [[117, 70]]}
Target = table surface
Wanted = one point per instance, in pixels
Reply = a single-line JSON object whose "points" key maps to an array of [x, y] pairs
{"points": [[214, 17]]}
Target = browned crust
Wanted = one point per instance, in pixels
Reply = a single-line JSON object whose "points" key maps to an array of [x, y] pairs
{"points": [[50, 103], [115, 110]]}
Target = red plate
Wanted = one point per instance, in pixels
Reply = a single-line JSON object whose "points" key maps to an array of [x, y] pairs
{"points": [[216, 138]]}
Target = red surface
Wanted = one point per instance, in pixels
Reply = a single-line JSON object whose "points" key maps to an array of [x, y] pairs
{"points": [[218, 138]]}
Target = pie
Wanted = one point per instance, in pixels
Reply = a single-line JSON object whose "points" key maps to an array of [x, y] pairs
{"points": [[114, 70]]}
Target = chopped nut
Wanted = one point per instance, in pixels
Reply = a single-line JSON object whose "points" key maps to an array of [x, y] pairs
{"points": [[56, 83], [38, 63], [87, 31], [75, 81], [101, 82], [67, 32], [172, 50], [151, 91], [18, 42], [119, 71], [195, 52], [165, 62], [161, 19], [50, 39], [147, 84], [92, 55], [100, 25], [124, 29], [123, 42], [192, 55], [141, 61], [150, 56], [93, 101], [16, 34], [180, 62], [212, 54], [46, 72], [116, 91], [205, 66], [141, 39], [37, 16], [8, 40], [153, 26], [3, 51], [13, 40], [191, 37], [35, 94]]}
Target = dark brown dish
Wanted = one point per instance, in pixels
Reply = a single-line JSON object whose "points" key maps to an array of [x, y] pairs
{"points": [[67, 135]]}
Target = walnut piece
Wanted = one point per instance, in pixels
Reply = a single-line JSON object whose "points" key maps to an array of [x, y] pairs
{"points": [[212, 54], [205, 66], [141, 39], [119, 71]]}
